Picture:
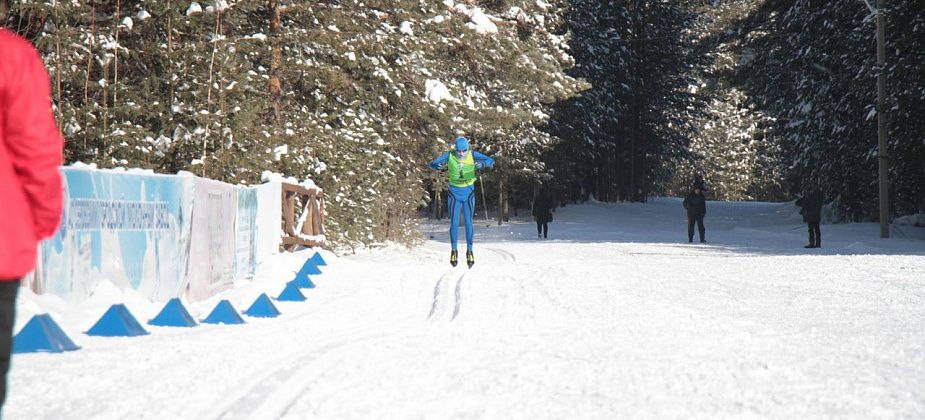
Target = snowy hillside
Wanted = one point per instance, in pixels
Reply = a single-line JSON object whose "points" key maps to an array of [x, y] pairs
{"points": [[613, 316]]}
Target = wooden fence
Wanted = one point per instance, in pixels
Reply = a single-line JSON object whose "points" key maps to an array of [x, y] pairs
{"points": [[298, 200]]}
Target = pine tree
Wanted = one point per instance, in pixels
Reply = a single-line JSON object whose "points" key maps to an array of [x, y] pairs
{"points": [[625, 131], [336, 92], [814, 73]]}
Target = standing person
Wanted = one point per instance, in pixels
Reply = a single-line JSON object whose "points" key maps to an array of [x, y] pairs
{"points": [[542, 213], [811, 204], [461, 165], [699, 182], [696, 205], [30, 185]]}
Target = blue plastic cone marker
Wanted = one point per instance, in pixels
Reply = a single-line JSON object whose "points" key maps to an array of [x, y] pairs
{"points": [[303, 282], [42, 334], [291, 294], [174, 314], [263, 307], [309, 268], [318, 260], [117, 322], [224, 313]]}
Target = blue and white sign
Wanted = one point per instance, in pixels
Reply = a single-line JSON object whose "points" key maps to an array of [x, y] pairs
{"points": [[128, 228]]}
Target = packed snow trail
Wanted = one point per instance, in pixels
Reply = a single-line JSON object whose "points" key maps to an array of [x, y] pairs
{"points": [[613, 316]]}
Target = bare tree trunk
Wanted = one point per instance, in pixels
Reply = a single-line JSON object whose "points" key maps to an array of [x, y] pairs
{"points": [[205, 138], [89, 69], [441, 206], [115, 58], [500, 187], [221, 96], [500, 199], [58, 72], [103, 152], [276, 60], [170, 57], [637, 109], [218, 17]]}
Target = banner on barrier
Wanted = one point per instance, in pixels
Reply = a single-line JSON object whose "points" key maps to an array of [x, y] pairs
{"points": [[245, 259], [131, 229], [161, 235], [212, 238], [269, 215]]}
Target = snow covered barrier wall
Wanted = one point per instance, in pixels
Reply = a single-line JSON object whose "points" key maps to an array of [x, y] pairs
{"points": [[127, 228], [161, 235]]}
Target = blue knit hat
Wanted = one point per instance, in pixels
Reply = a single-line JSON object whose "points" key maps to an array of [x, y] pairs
{"points": [[462, 144]]}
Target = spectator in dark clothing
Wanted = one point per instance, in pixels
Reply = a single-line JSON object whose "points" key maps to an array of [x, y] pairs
{"points": [[30, 185], [699, 182], [811, 209], [542, 213], [696, 205]]}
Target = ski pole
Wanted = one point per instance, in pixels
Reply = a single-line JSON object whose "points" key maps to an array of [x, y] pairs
{"points": [[482, 185]]}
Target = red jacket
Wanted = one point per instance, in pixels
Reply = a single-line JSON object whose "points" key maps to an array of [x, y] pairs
{"points": [[30, 153]]}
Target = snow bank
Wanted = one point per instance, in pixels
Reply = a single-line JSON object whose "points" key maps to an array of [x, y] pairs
{"points": [[911, 220]]}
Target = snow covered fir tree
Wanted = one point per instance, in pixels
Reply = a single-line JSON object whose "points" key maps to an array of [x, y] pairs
{"points": [[615, 100]]}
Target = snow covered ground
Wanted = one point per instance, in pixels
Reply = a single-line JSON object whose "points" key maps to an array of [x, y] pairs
{"points": [[613, 316]]}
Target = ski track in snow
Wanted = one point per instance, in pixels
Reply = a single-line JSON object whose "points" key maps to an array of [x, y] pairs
{"points": [[268, 394], [614, 316], [440, 305], [458, 294]]}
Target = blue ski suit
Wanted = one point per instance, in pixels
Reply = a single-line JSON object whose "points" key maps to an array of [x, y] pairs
{"points": [[461, 198]]}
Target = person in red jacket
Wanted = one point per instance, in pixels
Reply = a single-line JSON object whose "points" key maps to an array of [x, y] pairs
{"points": [[30, 184]]}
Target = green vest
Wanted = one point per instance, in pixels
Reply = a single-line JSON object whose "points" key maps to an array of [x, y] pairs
{"points": [[462, 172]]}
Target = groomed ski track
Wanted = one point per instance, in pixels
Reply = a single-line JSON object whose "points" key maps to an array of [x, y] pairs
{"points": [[614, 316]]}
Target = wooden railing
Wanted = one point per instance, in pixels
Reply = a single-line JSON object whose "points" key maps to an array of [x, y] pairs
{"points": [[298, 200]]}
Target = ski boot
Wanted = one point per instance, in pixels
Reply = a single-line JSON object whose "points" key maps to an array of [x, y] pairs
{"points": [[453, 258], [470, 259]]}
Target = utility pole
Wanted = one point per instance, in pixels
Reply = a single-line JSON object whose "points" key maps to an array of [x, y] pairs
{"points": [[882, 157]]}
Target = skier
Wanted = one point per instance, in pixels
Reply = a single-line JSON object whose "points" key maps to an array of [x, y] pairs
{"points": [[542, 212], [461, 164], [811, 204], [30, 153], [696, 205]]}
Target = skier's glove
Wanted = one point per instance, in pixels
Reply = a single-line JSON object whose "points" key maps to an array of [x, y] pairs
{"points": [[479, 165]]}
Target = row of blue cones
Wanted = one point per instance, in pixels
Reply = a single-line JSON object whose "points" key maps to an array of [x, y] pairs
{"points": [[42, 333]]}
